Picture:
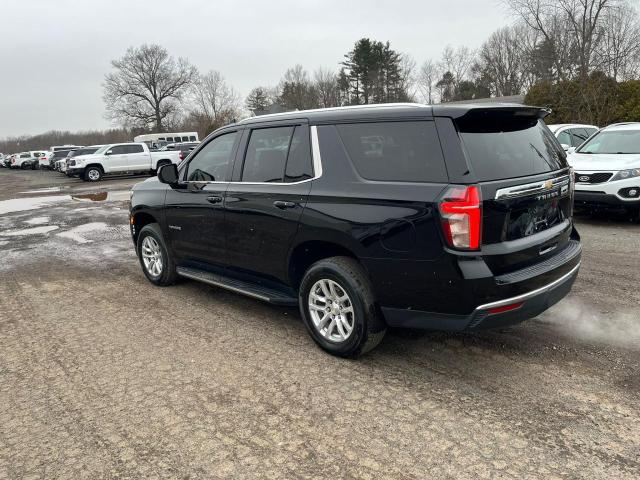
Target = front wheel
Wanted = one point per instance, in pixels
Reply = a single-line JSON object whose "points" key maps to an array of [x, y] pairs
{"points": [[92, 174], [339, 309], [156, 262]]}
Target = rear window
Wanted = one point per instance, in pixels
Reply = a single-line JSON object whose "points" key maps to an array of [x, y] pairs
{"points": [[507, 147], [395, 151]]}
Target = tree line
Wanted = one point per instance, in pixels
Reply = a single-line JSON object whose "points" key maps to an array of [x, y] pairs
{"points": [[581, 58]]}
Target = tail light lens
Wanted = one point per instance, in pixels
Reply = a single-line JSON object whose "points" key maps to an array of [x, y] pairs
{"points": [[461, 213], [181, 156]]}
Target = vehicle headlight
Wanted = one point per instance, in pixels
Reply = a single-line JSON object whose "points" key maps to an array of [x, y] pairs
{"points": [[624, 174]]}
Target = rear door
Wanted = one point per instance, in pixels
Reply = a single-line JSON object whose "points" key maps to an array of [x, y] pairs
{"points": [[265, 200], [137, 158], [525, 185]]}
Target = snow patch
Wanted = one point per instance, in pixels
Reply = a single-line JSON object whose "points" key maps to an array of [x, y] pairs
{"points": [[30, 231], [76, 233], [24, 204], [37, 221]]}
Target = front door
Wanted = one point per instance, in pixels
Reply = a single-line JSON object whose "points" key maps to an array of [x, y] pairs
{"points": [[195, 209], [265, 201], [116, 159]]}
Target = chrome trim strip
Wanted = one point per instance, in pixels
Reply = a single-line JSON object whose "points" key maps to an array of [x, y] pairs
{"points": [[223, 285], [526, 296], [530, 188]]}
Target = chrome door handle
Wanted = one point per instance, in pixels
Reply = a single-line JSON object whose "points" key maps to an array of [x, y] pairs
{"points": [[214, 199], [283, 205]]}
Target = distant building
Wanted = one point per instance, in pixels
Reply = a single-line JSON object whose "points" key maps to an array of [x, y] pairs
{"points": [[519, 99]]}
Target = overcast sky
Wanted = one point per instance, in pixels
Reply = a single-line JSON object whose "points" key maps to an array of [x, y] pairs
{"points": [[54, 53]]}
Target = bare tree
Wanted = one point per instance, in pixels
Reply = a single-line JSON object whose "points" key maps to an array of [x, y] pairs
{"points": [[572, 29], [407, 81], [146, 86], [426, 81], [504, 60], [619, 48], [297, 92], [326, 85], [215, 101], [457, 61]]}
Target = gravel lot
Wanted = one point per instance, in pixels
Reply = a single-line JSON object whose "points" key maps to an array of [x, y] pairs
{"points": [[103, 375]]}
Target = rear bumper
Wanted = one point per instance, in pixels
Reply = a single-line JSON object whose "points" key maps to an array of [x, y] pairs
{"points": [[532, 304]]}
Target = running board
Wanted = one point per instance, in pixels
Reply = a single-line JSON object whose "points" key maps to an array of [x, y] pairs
{"points": [[245, 288]]}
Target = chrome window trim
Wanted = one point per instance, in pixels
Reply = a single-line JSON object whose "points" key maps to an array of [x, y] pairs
{"points": [[315, 159], [531, 188]]}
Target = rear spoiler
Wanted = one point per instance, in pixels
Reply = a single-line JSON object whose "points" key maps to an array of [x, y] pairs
{"points": [[478, 111]]}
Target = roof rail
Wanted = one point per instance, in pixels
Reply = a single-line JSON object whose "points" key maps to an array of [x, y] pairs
{"points": [[333, 109]]}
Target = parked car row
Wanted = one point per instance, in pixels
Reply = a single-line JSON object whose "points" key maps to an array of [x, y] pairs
{"points": [[91, 163]]}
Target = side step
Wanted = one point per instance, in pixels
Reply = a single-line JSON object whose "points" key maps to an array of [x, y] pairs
{"points": [[245, 288]]}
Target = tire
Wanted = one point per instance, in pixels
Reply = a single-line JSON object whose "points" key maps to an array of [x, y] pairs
{"points": [[92, 174], [151, 236], [634, 214], [343, 275], [23, 166]]}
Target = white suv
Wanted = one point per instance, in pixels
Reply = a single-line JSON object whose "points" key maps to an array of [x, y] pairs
{"points": [[572, 135], [607, 168]]}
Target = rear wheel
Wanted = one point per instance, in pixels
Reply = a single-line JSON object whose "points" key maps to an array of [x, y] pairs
{"points": [[92, 174], [156, 262], [339, 309]]}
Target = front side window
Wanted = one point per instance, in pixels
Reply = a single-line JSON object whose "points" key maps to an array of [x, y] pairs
{"points": [[395, 151], [267, 154], [613, 142], [118, 150], [211, 163]]}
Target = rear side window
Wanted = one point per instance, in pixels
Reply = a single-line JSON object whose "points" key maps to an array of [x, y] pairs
{"points": [[299, 163], [395, 151], [134, 149], [267, 154], [507, 146]]}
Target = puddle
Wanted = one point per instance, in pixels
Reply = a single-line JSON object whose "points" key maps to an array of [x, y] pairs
{"points": [[24, 204], [30, 231], [115, 196]]}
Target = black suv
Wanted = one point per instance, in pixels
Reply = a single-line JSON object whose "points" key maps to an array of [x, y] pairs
{"points": [[444, 217]]}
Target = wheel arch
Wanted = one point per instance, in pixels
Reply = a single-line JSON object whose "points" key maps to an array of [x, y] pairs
{"points": [[306, 253]]}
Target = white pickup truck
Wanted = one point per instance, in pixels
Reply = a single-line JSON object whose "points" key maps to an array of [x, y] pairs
{"points": [[119, 158]]}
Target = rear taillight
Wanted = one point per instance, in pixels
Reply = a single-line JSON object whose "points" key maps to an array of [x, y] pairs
{"points": [[181, 155], [461, 213]]}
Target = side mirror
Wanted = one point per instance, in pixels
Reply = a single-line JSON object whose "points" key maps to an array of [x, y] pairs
{"points": [[564, 146], [571, 149], [108, 152], [168, 174]]}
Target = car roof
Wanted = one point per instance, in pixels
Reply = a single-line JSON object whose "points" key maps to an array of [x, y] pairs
{"points": [[623, 126], [557, 126], [337, 114]]}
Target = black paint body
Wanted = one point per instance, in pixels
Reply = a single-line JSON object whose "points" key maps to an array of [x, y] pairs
{"points": [[392, 228]]}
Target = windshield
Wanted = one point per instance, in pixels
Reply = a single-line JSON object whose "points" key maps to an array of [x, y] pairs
{"points": [[102, 149], [613, 142]]}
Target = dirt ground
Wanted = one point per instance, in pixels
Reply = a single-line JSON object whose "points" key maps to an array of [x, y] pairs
{"points": [[103, 375]]}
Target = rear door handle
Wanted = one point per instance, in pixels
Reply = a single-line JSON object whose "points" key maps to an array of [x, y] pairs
{"points": [[214, 199], [283, 205]]}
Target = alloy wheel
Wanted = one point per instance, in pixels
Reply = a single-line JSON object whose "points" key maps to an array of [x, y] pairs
{"points": [[152, 256], [331, 310]]}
